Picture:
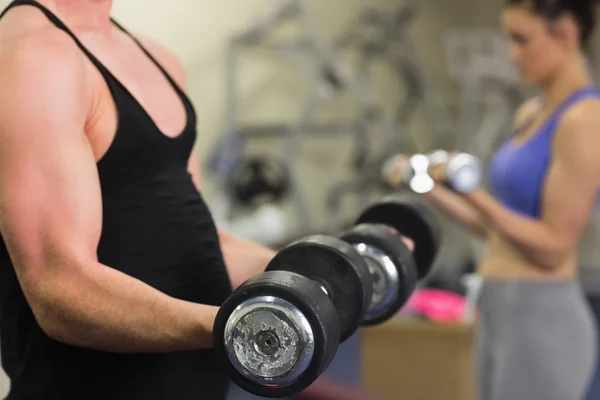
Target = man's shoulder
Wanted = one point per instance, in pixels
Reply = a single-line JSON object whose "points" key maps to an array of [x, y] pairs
{"points": [[46, 52], [40, 70], [28, 37], [165, 57]]}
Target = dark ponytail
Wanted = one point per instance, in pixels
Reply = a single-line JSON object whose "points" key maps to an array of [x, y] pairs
{"points": [[584, 12]]}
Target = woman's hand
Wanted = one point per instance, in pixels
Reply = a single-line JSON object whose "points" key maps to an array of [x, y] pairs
{"points": [[438, 165]]}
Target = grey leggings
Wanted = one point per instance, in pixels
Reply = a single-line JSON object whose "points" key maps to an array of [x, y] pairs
{"points": [[536, 341]]}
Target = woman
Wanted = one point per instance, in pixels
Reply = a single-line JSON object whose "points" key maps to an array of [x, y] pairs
{"points": [[537, 334]]}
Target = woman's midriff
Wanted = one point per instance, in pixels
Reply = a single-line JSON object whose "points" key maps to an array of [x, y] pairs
{"points": [[502, 260]]}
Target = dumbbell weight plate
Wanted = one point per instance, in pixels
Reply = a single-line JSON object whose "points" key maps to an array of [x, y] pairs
{"points": [[276, 334], [338, 268], [392, 267], [413, 220]]}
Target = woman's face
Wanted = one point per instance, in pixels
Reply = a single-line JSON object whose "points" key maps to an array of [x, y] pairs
{"points": [[534, 49]]}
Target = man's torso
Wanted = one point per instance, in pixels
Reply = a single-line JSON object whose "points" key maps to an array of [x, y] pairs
{"points": [[156, 226]]}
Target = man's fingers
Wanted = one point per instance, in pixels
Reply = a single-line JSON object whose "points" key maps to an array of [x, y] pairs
{"points": [[409, 243]]}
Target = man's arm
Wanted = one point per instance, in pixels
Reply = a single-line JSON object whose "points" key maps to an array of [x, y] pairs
{"points": [[51, 215], [570, 192]]}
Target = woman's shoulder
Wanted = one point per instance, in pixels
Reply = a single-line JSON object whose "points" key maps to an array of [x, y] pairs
{"points": [[578, 125]]}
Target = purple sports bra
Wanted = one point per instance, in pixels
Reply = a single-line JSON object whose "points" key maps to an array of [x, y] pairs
{"points": [[517, 171]]}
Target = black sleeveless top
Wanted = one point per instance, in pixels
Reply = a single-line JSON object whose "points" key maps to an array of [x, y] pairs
{"points": [[156, 228]]}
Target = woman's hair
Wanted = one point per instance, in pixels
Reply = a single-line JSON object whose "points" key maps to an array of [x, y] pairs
{"points": [[584, 12]]}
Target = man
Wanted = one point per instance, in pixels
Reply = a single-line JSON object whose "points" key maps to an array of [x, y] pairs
{"points": [[111, 268], [115, 271]]}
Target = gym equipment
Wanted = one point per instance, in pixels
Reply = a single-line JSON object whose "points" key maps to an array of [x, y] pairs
{"points": [[461, 172], [340, 272], [256, 177], [266, 225], [276, 334], [312, 55], [413, 220], [393, 272], [490, 88], [280, 330], [382, 37]]}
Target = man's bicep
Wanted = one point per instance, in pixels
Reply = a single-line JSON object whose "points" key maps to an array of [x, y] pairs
{"points": [[50, 203]]}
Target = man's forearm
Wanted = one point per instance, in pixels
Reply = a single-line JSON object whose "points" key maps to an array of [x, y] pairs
{"points": [[243, 258], [103, 309]]}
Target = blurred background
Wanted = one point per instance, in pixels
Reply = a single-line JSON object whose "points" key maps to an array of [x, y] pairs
{"points": [[312, 95]]}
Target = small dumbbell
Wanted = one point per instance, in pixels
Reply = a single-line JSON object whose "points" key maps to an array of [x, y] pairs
{"points": [[279, 331], [395, 271], [461, 172]]}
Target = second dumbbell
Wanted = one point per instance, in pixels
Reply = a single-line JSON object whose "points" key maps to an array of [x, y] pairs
{"points": [[462, 172], [395, 271]]}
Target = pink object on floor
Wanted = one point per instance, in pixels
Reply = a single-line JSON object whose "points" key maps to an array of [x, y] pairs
{"points": [[437, 305]]}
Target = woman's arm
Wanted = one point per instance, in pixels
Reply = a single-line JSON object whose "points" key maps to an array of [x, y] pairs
{"points": [[569, 196], [458, 209], [461, 210]]}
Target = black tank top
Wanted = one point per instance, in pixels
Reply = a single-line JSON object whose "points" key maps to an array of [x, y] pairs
{"points": [[156, 228]]}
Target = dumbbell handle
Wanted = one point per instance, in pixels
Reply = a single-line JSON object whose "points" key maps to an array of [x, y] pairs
{"points": [[461, 172]]}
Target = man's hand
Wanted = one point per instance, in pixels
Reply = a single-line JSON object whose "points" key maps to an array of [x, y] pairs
{"points": [[407, 241]]}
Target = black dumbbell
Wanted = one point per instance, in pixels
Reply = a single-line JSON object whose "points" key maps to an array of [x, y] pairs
{"points": [[462, 172], [279, 331], [395, 271]]}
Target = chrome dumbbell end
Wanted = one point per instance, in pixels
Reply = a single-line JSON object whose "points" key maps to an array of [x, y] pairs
{"points": [[276, 334], [419, 180], [269, 341], [464, 173], [411, 172]]}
